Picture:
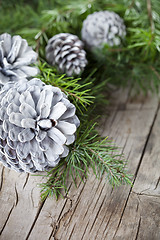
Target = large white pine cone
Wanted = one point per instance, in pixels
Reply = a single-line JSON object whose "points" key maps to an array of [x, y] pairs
{"points": [[37, 121], [66, 51], [15, 58], [103, 27]]}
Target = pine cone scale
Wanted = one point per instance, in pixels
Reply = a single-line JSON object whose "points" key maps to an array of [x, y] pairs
{"points": [[16, 44], [57, 136]]}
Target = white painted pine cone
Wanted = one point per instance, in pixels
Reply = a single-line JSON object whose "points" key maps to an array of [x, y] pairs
{"points": [[103, 27], [15, 58], [37, 122], [66, 51]]}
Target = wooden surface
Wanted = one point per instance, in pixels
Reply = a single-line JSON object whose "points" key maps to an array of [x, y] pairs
{"points": [[94, 210]]}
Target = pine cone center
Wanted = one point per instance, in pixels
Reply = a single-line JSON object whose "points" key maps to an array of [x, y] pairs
{"points": [[46, 124]]}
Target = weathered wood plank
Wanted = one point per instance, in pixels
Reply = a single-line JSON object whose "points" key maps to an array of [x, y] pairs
{"points": [[19, 204], [143, 207]]}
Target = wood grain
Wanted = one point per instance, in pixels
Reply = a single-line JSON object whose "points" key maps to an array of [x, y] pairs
{"points": [[143, 206], [95, 210]]}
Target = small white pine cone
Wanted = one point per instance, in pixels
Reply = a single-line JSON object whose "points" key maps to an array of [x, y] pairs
{"points": [[66, 51], [103, 27], [15, 58], [37, 122]]}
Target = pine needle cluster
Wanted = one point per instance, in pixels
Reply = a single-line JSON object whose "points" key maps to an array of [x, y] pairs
{"points": [[89, 151]]}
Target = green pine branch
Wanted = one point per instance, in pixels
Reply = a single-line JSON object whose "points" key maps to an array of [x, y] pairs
{"points": [[78, 93], [89, 151]]}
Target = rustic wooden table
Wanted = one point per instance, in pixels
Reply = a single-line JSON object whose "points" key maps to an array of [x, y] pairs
{"points": [[95, 210]]}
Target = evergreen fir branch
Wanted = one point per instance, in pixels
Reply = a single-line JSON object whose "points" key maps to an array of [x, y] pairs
{"points": [[54, 187], [83, 92], [88, 151], [78, 93]]}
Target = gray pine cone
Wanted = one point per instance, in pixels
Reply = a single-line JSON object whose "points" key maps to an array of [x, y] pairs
{"points": [[103, 27], [37, 121], [15, 58], [65, 51]]}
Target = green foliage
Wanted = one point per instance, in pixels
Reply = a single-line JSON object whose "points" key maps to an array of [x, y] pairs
{"points": [[134, 59], [77, 92], [89, 150]]}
